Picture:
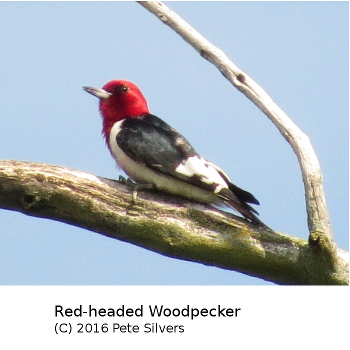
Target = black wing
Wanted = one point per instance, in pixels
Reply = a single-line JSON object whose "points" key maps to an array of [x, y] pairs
{"points": [[149, 140]]}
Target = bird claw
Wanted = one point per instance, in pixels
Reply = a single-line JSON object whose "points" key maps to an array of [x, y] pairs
{"points": [[126, 181], [135, 186], [140, 187]]}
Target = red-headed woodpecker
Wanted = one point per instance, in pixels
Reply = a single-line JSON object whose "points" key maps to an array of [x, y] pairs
{"points": [[152, 152]]}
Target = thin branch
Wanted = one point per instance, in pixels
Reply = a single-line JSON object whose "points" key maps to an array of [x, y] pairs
{"points": [[171, 226], [318, 218]]}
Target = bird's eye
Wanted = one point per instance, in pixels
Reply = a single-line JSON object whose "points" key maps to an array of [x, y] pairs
{"points": [[119, 90]]}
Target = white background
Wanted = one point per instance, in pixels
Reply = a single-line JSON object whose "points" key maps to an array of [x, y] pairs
{"points": [[274, 318]]}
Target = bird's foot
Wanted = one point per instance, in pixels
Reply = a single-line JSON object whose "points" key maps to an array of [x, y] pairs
{"points": [[126, 181], [135, 186], [140, 187]]}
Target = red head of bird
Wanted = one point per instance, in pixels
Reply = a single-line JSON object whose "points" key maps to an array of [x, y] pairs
{"points": [[119, 99]]}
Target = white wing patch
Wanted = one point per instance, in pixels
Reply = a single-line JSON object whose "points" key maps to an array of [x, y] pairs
{"points": [[220, 171], [206, 171]]}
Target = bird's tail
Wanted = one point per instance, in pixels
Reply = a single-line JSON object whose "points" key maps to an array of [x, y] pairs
{"points": [[240, 204], [248, 212]]}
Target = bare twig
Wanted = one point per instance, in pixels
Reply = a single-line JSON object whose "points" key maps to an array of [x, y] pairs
{"points": [[318, 218], [171, 226]]}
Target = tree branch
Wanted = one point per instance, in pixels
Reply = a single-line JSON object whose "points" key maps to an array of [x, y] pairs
{"points": [[171, 226], [318, 218], [179, 228]]}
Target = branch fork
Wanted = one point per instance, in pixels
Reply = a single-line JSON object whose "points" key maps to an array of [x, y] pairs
{"points": [[317, 212], [179, 228]]}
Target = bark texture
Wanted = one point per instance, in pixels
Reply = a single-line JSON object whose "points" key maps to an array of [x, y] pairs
{"points": [[171, 226]]}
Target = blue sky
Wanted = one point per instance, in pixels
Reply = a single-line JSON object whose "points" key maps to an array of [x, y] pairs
{"points": [[297, 51]]}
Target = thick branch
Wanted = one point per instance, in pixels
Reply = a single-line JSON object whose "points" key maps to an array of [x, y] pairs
{"points": [[171, 226], [318, 218]]}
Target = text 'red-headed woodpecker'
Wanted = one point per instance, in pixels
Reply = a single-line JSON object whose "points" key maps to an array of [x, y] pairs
{"points": [[152, 152]]}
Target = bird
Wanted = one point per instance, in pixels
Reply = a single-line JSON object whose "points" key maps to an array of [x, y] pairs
{"points": [[155, 155]]}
